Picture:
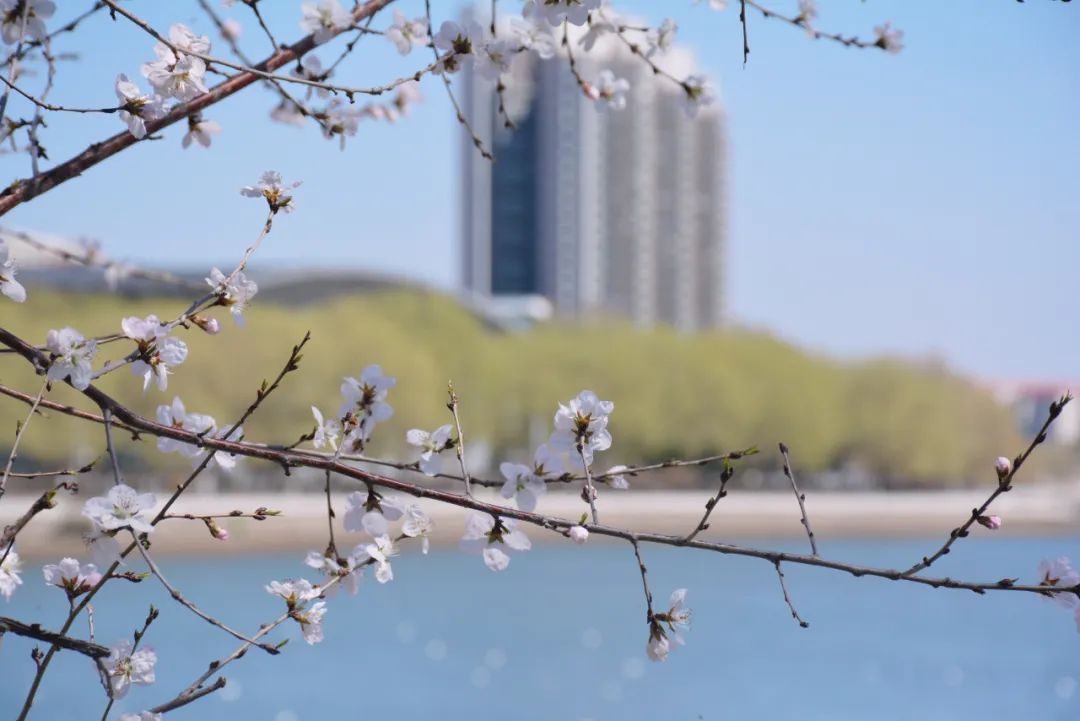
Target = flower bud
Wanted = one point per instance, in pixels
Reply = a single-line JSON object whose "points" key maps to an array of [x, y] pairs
{"points": [[991, 522], [1003, 466], [210, 325], [587, 496], [216, 531], [579, 534]]}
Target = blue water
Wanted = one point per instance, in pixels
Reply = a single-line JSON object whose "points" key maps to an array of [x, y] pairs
{"points": [[560, 636]]}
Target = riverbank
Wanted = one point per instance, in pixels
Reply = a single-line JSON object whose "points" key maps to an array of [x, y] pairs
{"points": [[742, 515]]}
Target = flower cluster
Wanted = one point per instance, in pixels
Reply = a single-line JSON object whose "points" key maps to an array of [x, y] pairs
{"points": [[364, 405], [676, 618], [234, 291], [489, 536], [176, 416], [72, 357], [277, 195]]}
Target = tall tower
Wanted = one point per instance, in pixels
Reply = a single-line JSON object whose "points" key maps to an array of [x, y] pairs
{"points": [[601, 212]]}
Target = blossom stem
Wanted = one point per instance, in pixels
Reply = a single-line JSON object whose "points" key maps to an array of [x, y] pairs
{"points": [[590, 490], [18, 437]]}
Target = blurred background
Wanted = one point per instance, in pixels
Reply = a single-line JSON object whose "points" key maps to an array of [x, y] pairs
{"points": [[870, 257]]}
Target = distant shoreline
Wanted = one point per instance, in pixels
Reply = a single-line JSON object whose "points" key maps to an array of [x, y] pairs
{"points": [[1040, 510]]}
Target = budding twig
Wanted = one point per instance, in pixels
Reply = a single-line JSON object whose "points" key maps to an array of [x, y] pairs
{"points": [[787, 598], [800, 497], [18, 437], [459, 447]]}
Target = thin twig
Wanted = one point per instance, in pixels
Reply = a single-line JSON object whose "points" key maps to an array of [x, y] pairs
{"points": [[18, 437], [800, 497], [459, 446], [787, 598], [710, 504]]}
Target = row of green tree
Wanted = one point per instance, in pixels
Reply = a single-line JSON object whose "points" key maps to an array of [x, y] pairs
{"points": [[676, 395]]}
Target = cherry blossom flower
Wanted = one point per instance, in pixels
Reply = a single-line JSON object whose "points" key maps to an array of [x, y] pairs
{"points": [[128, 666], [582, 424], [417, 524], [270, 188], [371, 513], [575, 12], [807, 12], [73, 577], [578, 534], [597, 30], [405, 33], [340, 120], [8, 285], [311, 621], [326, 432], [324, 19], [677, 619], [11, 19], [176, 416], [611, 89], [457, 43], [9, 572], [492, 58], [431, 445], [1059, 572], [294, 591], [158, 351], [889, 39], [522, 485], [713, 4], [407, 94], [200, 131], [365, 404], [72, 357], [662, 38], [234, 291], [103, 547], [122, 507], [225, 460], [488, 536], [136, 107], [528, 35], [311, 69], [614, 478], [380, 551], [334, 567], [697, 93], [176, 75], [288, 113]]}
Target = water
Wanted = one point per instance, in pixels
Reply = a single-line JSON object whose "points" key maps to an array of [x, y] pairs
{"points": [[560, 636]]}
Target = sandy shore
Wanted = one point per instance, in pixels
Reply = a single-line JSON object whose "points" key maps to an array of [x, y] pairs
{"points": [[302, 526]]}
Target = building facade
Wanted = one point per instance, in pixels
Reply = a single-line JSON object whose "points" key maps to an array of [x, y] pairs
{"points": [[601, 212]]}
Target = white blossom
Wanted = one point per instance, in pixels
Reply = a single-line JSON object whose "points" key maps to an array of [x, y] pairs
{"points": [[70, 575], [127, 666], [158, 351], [122, 507], [200, 131], [484, 535], [677, 619], [324, 19], [103, 547], [662, 38], [431, 445], [582, 422], [231, 29], [341, 120], [142, 716], [8, 285], [380, 550], [1059, 572], [611, 89], [311, 69], [578, 534], [270, 188], [575, 12], [615, 478], [234, 291], [326, 432], [288, 113], [176, 416], [697, 93], [37, 12], [9, 572], [658, 646], [808, 11], [365, 403], [294, 591], [332, 568], [175, 74], [405, 33], [493, 58], [458, 43], [713, 4], [888, 38], [597, 29], [136, 107], [311, 621], [530, 36], [522, 485], [371, 513], [72, 357], [418, 524]]}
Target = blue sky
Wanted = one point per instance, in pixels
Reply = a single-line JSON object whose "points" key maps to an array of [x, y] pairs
{"points": [[922, 204]]}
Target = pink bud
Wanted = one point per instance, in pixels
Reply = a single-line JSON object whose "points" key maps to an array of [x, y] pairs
{"points": [[1003, 466], [215, 530], [579, 534], [213, 327], [991, 522]]}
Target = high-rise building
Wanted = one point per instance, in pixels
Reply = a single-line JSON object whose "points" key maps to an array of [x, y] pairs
{"points": [[600, 211]]}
